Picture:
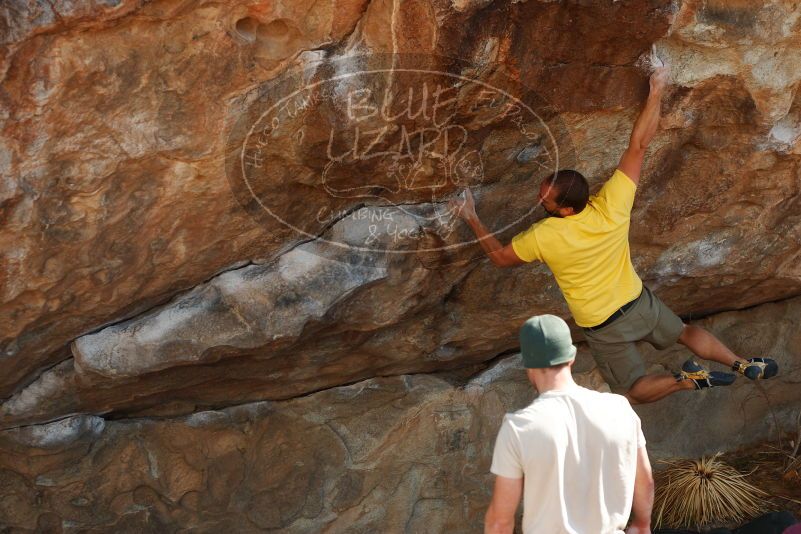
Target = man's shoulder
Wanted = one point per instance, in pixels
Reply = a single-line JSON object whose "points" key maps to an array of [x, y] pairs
{"points": [[542, 404], [618, 179], [605, 398], [548, 226], [601, 401], [543, 224], [616, 196], [549, 410], [578, 394], [531, 413]]}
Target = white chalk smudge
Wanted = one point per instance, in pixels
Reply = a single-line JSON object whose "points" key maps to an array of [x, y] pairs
{"points": [[688, 258], [786, 133], [654, 59], [152, 463], [511, 366], [59, 433], [201, 419]]}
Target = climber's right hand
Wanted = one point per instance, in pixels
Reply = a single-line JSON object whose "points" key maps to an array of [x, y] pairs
{"points": [[659, 79], [464, 205]]}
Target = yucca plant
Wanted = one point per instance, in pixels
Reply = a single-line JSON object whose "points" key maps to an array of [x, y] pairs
{"points": [[699, 493]]}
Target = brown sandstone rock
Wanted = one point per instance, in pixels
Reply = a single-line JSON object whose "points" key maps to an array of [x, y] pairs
{"points": [[113, 197], [383, 454], [117, 214]]}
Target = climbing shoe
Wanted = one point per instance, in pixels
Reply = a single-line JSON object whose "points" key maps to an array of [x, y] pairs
{"points": [[702, 378], [756, 368]]}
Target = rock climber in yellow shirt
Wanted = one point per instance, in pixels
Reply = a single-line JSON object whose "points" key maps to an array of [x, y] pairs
{"points": [[585, 244]]}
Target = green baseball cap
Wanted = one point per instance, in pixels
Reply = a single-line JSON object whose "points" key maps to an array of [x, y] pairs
{"points": [[545, 341]]}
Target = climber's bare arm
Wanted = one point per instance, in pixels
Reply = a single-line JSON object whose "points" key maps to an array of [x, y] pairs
{"points": [[644, 127], [502, 256]]}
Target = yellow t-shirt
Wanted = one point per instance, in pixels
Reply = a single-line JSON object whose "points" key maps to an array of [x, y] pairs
{"points": [[588, 252]]}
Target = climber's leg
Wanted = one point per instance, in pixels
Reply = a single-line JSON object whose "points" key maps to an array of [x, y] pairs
{"points": [[670, 329], [622, 368], [651, 388], [705, 345], [621, 365]]}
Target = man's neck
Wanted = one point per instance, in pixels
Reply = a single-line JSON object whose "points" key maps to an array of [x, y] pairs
{"points": [[555, 382]]}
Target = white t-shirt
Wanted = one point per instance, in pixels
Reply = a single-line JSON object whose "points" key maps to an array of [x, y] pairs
{"points": [[578, 451]]}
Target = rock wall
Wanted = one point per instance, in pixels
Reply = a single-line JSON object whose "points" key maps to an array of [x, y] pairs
{"points": [[406, 453], [169, 250]]}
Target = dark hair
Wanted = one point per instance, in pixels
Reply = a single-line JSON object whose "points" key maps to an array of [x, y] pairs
{"points": [[572, 189]]}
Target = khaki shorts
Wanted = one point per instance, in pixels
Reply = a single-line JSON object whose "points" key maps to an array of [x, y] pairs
{"points": [[613, 348]]}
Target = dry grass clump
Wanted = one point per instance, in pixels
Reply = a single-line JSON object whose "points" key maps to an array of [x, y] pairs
{"points": [[698, 493], [792, 468]]}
